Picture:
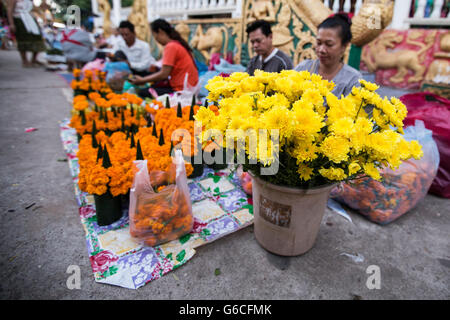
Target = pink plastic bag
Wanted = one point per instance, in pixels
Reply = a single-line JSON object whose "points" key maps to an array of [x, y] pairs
{"points": [[434, 111], [97, 64]]}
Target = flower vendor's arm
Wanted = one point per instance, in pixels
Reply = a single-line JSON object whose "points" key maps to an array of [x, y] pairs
{"points": [[162, 74]]}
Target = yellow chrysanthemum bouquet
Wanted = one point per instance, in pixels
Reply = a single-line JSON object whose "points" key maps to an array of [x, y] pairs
{"points": [[292, 123]]}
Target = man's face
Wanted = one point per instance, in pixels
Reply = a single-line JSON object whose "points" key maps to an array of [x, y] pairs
{"points": [[127, 35], [262, 45]]}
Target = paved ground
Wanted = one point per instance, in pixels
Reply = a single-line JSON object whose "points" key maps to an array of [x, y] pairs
{"points": [[41, 234]]}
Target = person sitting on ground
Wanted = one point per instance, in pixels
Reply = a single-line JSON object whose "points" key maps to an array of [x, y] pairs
{"points": [[136, 51], [268, 58], [333, 36], [177, 61], [78, 48]]}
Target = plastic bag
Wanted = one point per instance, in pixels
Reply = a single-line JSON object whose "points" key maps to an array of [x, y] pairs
{"points": [[203, 81], [116, 69], [245, 180], [160, 206], [399, 191], [435, 113], [227, 67], [97, 64]]}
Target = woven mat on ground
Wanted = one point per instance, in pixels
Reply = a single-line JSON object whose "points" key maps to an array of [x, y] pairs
{"points": [[67, 77], [219, 206]]}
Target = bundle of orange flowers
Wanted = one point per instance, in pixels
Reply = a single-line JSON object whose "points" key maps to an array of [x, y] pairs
{"points": [[170, 119], [106, 161], [92, 81], [115, 112]]}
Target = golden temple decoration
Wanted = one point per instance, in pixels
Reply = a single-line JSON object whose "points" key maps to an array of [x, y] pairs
{"points": [[211, 41], [260, 10], [377, 55], [373, 17], [105, 8], [138, 17]]}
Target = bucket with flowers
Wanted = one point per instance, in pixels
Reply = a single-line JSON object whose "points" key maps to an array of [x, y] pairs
{"points": [[298, 140]]}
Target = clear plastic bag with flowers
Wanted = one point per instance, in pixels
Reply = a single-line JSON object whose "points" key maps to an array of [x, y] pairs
{"points": [[160, 206]]}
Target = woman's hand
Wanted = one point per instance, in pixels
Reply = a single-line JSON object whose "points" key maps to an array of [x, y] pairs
{"points": [[12, 29], [137, 80]]}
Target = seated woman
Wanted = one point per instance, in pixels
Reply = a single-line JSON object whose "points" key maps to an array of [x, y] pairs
{"points": [[177, 62], [333, 37]]}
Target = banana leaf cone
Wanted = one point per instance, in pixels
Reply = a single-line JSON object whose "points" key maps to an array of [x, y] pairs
{"points": [[197, 164], [139, 155], [99, 152], [198, 168], [191, 113], [132, 142], [83, 117], [154, 133], [167, 103], [161, 138], [123, 128], [93, 133], [221, 153], [179, 111], [108, 208]]}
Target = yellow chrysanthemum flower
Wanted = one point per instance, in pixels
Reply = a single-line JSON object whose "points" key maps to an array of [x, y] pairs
{"points": [[343, 127], [305, 172], [368, 85], [371, 171], [335, 174], [335, 148]]}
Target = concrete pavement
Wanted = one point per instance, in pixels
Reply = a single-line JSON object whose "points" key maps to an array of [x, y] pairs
{"points": [[41, 234]]}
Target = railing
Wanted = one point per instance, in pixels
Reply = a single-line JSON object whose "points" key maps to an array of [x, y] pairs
{"points": [[349, 6], [186, 8], [429, 13], [407, 13]]}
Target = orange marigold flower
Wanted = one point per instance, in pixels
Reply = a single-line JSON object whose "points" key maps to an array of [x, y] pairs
{"points": [[81, 105]]}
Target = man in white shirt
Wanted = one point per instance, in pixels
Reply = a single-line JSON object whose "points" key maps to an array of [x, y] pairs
{"points": [[114, 38], [137, 52]]}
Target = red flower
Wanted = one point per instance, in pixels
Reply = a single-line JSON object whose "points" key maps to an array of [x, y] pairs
{"points": [[102, 260], [86, 212], [198, 226]]}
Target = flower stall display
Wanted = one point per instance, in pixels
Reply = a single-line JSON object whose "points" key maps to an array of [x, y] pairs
{"points": [[116, 130], [298, 140]]}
